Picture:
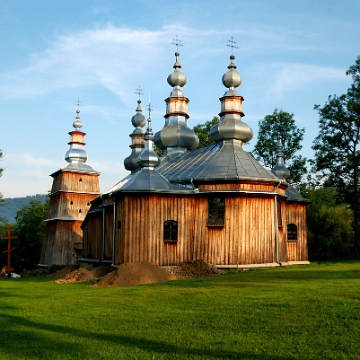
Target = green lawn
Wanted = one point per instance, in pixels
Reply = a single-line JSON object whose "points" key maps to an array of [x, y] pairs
{"points": [[297, 312]]}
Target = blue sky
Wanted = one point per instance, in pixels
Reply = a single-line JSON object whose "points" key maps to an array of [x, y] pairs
{"points": [[291, 55]]}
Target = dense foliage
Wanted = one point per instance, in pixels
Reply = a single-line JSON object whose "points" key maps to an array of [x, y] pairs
{"points": [[30, 229], [281, 124], [329, 222], [337, 152]]}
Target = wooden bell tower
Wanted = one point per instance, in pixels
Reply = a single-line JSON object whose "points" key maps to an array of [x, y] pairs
{"points": [[74, 186]]}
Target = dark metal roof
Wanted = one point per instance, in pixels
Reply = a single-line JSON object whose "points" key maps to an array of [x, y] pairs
{"points": [[149, 180], [224, 162], [294, 195]]}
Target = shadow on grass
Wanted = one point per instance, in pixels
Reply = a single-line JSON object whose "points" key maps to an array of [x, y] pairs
{"points": [[26, 338]]}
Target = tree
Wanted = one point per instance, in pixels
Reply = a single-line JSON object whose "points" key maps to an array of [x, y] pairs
{"points": [[282, 124], [202, 131], [329, 223], [30, 229], [337, 155]]}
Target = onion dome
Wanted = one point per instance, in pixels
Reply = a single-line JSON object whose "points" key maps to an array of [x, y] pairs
{"points": [[76, 154], [176, 137], [177, 79], [231, 126], [231, 79], [137, 140], [279, 169], [148, 158]]}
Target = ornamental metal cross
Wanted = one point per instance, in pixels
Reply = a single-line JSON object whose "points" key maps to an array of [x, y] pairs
{"points": [[176, 43], [231, 44], [139, 91], [78, 103], [9, 249]]}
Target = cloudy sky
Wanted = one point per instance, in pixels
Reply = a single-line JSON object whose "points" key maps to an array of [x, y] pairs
{"points": [[291, 55]]}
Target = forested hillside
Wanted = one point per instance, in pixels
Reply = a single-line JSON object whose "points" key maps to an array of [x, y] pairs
{"points": [[11, 205]]}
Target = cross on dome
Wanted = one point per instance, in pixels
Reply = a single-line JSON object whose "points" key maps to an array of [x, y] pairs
{"points": [[231, 45], [176, 43]]}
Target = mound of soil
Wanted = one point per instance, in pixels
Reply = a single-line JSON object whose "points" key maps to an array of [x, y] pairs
{"points": [[197, 268], [77, 276], [135, 273], [63, 271]]}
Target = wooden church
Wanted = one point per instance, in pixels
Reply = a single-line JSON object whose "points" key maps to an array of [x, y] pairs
{"points": [[74, 186], [215, 203]]}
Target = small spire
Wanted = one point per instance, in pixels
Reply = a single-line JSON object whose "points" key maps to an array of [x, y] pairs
{"points": [[280, 170], [232, 78], [77, 124], [148, 158]]}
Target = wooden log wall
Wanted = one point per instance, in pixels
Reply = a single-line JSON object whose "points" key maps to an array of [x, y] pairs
{"points": [[72, 181], [296, 214], [61, 247], [92, 236], [248, 236], [69, 205]]}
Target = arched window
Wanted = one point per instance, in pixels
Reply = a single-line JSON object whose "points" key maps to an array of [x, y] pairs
{"points": [[292, 232], [216, 216], [171, 231], [279, 213]]}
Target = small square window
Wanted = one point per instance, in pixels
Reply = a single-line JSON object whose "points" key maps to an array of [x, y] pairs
{"points": [[170, 231], [292, 232], [216, 215]]}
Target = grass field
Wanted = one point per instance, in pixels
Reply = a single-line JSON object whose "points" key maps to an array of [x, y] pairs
{"points": [[298, 312]]}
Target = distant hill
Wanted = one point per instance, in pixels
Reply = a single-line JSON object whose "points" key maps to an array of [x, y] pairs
{"points": [[12, 205]]}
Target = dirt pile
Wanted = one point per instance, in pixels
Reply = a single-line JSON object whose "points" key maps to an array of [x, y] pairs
{"points": [[84, 275], [135, 273], [197, 268], [63, 271], [78, 275]]}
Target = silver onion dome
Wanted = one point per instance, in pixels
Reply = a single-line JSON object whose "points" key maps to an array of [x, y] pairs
{"points": [[280, 170], [176, 137], [177, 79], [231, 79], [148, 158], [137, 140], [76, 154], [231, 126]]}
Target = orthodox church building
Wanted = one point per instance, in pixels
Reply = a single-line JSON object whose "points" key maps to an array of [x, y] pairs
{"points": [[215, 203]]}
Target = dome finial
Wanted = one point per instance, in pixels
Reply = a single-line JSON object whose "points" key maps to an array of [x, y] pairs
{"points": [[177, 79], [280, 170], [232, 78], [148, 158], [77, 124]]}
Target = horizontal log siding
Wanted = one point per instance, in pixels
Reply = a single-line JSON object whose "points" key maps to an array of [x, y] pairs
{"points": [[246, 238], [297, 250], [58, 246], [92, 238], [60, 205], [70, 181]]}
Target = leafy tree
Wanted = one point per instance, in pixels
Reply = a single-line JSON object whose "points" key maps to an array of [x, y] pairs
{"points": [[329, 224], [282, 124], [202, 131], [337, 155], [30, 229]]}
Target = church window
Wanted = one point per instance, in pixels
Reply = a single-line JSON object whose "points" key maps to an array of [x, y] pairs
{"points": [[216, 215], [292, 234], [171, 231]]}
